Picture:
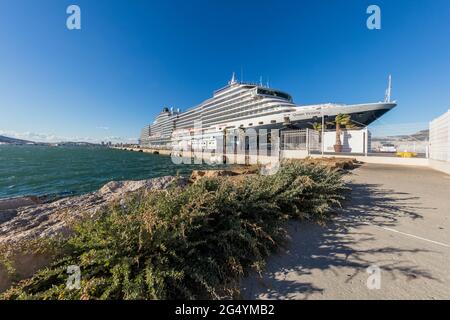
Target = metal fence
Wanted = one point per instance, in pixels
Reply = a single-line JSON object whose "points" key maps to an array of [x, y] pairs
{"points": [[293, 140], [314, 140], [306, 139], [440, 138]]}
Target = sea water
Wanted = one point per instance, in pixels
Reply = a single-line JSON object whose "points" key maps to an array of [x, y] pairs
{"points": [[42, 170]]}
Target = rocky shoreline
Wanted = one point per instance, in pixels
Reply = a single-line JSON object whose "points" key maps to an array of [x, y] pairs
{"points": [[27, 218], [24, 219], [30, 217]]}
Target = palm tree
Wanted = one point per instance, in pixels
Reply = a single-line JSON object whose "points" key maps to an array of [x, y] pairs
{"points": [[341, 121], [317, 126]]}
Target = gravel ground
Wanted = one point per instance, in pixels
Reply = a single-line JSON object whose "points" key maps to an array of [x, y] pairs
{"points": [[397, 219]]}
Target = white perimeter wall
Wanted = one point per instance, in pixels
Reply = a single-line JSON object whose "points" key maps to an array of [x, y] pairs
{"points": [[353, 141], [440, 138]]}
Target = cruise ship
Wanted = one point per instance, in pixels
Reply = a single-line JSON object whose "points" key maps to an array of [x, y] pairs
{"points": [[241, 105]]}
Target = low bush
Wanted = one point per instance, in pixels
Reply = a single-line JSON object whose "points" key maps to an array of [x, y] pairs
{"points": [[194, 242]]}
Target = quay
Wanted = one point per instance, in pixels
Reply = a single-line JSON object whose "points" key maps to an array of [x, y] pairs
{"points": [[397, 220], [164, 152]]}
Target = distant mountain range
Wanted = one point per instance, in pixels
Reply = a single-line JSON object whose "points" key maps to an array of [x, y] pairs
{"points": [[416, 142], [422, 135], [14, 141], [8, 140]]}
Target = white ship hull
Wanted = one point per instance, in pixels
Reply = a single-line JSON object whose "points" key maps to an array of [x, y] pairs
{"points": [[244, 106]]}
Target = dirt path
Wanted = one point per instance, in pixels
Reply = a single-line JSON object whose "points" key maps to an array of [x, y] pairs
{"points": [[397, 219]]}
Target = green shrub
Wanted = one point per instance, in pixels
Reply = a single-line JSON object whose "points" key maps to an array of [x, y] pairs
{"points": [[191, 243]]}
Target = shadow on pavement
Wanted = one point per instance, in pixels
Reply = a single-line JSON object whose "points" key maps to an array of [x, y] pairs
{"points": [[338, 244]]}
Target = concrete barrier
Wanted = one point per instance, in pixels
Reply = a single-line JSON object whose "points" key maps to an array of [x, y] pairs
{"points": [[294, 154], [442, 166], [385, 160]]}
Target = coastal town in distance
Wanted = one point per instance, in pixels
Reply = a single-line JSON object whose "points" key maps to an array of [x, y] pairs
{"points": [[206, 159]]}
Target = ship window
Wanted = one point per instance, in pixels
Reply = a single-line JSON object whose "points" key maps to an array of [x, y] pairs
{"points": [[250, 124], [241, 126], [274, 93], [261, 122], [273, 121]]}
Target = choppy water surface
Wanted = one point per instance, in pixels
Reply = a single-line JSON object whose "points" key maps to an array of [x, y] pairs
{"points": [[39, 170]]}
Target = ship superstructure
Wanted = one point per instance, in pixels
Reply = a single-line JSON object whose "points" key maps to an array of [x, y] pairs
{"points": [[159, 133], [241, 105]]}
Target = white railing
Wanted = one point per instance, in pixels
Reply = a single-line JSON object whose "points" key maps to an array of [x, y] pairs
{"points": [[440, 138]]}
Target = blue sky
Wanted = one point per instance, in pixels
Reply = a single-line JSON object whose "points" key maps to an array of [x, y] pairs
{"points": [[133, 57]]}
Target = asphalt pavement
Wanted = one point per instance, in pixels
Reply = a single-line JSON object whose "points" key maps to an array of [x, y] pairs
{"points": [[390, 241]]}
